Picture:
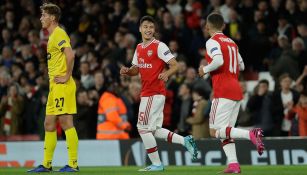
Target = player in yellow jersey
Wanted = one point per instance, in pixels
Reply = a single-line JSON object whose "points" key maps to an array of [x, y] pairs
{"points": [[61, 104]]}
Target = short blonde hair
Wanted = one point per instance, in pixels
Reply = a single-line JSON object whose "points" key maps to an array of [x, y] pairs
{"points": [[52, 9]]}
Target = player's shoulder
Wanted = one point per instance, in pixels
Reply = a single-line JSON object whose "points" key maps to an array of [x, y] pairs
{"points": [[212, 43], [157, 41], [60, 31], [221, 38]]}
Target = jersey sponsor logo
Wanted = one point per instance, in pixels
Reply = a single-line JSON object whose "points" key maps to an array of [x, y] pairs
{"points": [[48, 56], [213, 49], [149, 53], [61, 43], [142, 64], [228, 40], [167, 52]]}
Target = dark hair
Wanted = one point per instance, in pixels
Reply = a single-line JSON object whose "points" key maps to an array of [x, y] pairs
{"points": [[216, 20], [52, 9], [200, 91], [189, 86], [264, 81], [283, 76], [147, 18]]}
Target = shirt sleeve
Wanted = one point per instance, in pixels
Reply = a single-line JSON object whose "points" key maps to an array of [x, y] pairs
{"points": [[164, 53], [213, 49], [216, 63], [62, 40], [135, 59]]}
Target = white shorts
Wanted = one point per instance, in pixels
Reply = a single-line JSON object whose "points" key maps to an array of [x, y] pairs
{"points": [[150, 115], [223, 113]]}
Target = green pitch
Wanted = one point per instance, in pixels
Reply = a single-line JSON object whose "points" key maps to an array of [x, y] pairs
{"points": [[174, 170]]}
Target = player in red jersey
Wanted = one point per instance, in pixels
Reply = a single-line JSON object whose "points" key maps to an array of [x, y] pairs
{"points": [[225, 62], [149, 60]]}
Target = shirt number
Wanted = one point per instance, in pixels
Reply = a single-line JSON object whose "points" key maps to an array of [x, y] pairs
{"points": [[233, 57]]}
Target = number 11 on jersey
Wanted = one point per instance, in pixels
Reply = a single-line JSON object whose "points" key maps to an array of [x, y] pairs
{"points": [[233, 59]]}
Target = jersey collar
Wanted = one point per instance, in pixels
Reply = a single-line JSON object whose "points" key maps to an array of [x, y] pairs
{"points": [[145, 45], [216, 34]]}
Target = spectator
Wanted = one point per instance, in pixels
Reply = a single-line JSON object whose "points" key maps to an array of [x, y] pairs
{"points": [[11, 107], [5, 80], [234, 28], [300, 53], [86, 114], [260, 105], [291, 11], [173, 7], [281, 99], [111, 109], [200, 123], [151, 8], [7, 58], [226, 8], [31, 74], [286, 63], [275, 53], [285, 28], [87, 79], [174, 48], [6, 38], [245, 120], [299, 110], [185, 108]]}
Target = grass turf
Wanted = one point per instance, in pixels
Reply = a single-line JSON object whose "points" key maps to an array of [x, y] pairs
{"points": [[174, 170]]}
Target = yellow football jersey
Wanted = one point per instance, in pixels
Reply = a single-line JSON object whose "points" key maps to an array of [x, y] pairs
{"points": [[58, 40]]}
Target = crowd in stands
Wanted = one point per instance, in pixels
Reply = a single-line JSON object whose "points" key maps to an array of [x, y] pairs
{"points": [[271, 35]]}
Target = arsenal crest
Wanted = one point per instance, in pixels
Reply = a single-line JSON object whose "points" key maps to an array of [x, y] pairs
{"points": [[149, 53]]}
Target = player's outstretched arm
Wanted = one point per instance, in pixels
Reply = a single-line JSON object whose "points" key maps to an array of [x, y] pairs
{"points": [[132, 71]]}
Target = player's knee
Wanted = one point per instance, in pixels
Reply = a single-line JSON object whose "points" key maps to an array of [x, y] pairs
{"points": [[66, 122], [143, 131], [212, 133], [49, 126]]}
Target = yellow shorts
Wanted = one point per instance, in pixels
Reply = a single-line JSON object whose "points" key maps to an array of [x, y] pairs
{"points": [[62, 98]]}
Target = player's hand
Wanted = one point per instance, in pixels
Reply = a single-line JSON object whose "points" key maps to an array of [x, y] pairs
{"points": [[163, 76], [61, 79], [124, 70], [201, 70]]}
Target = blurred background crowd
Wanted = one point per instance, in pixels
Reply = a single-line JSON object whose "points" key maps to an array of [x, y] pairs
{"points": [[271, 35]]}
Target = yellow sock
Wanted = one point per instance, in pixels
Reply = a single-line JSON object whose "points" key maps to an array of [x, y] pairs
{"points": [[72, 147], [49, 146]]}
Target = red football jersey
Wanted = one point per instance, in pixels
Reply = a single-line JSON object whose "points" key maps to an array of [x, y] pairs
{"points": [[225, 78], [151, 59]]}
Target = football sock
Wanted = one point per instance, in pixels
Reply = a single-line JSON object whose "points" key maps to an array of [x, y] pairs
{"points": [[49, 146], [229, 148], [151, 147], [230, 132], [169, 136], [72, 147]]}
